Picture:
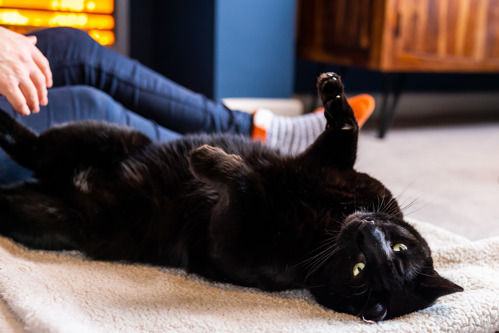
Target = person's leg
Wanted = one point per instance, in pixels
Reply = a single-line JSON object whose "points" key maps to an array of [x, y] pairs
{"points": [[76, 59], [71, 104]]}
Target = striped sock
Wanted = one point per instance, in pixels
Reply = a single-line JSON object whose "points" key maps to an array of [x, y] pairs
{"points": [[291, 135]]}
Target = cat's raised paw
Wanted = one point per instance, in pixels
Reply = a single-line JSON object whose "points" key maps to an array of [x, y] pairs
{"points": [[329, 86], [339, 114]]}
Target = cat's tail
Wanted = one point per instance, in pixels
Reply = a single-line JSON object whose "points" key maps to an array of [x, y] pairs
{"points": [[17, 140]]}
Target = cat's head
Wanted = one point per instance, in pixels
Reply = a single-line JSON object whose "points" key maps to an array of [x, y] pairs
{"points": [[379, 268]]}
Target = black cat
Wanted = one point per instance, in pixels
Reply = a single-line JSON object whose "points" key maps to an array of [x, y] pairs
{"points": [[225, 208]]}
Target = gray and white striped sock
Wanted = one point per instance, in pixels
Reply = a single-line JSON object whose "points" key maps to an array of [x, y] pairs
{"points": [[291, 135]]}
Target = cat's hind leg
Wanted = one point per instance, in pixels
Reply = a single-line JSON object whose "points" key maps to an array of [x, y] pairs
{"points": [[73, 147], [37, 219], [17, 140], [63, 150]]}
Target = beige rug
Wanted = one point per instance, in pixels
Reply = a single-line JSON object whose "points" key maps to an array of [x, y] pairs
{"points": [[53, 292]]}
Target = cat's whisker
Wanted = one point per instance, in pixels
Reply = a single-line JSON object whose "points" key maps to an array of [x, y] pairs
{"points": [[360, 286], [401, 194], [360, 293], [394, 208], [408, 201], [391, 206], [325, 256], [416, 209], [320, 258], [325, 247], [382, 206], [377, 205], [419, 271]]}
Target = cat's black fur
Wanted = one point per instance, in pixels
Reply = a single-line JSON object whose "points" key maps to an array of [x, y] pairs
{"points": [[225, 208]]}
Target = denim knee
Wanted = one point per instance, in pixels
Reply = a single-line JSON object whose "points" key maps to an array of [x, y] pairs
{"points": [[68, 37], [64, 46]]}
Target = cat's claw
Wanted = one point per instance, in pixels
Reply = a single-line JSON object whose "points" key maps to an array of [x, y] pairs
{"points": [[347, 127]]}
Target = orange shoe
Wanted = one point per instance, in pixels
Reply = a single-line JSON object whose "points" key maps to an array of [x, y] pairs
{"points": [[362, 105]]}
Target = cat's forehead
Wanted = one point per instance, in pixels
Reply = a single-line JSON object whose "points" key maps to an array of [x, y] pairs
{"points": [[388, 221], [401, 230]]}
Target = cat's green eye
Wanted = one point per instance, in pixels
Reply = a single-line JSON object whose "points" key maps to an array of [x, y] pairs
{"points": [[359, 267], [399, 247]]}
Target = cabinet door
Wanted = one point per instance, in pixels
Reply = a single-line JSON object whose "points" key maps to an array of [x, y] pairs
{"points": [[340, 31], [441, 35]]}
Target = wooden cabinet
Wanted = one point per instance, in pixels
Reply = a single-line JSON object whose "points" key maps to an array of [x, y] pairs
{"points": [[401, 35]]}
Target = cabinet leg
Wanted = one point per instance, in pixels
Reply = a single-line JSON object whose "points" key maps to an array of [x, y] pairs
{"points": [[388, 109]]}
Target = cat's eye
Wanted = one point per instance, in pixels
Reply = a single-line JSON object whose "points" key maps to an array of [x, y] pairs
{"points": [[359, 267], [399, 247]]}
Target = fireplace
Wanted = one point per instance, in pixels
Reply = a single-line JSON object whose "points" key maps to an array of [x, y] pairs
{"points": [[97, 17]]}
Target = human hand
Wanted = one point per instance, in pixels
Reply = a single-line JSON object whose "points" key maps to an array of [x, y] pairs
{"points": [[25, 73]]}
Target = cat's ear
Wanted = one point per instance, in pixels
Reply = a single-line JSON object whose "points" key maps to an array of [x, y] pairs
{"points": [[434, 286], [214, 166]]}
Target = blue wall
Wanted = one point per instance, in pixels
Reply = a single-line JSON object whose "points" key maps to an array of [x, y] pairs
{"points": [[254, 48], [220, 48]]}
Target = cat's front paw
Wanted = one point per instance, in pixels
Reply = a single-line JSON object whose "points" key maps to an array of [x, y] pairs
{"points": [[338, 112], [329, 86], [213, 165]]}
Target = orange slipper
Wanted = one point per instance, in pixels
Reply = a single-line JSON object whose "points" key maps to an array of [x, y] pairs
{"points": [[362, 105]]}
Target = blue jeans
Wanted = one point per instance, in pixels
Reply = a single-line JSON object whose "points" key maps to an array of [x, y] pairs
{"points": [[93, 82]]}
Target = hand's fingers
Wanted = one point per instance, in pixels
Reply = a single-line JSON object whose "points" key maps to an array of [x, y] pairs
{"points": [[17, 100], [38, 80], [44, 66], [30, 94], [32, 39]]}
